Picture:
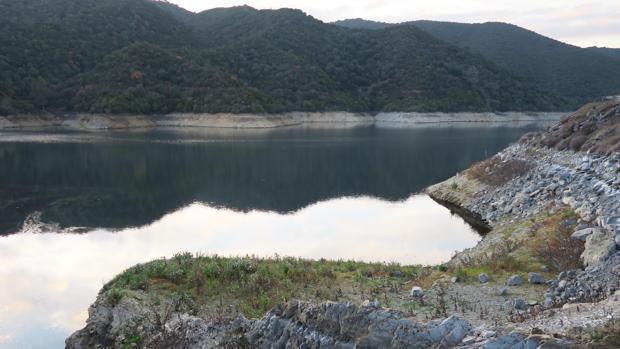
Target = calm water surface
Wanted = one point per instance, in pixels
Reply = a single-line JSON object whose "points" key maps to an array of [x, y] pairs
{"points": [[77, 209]]}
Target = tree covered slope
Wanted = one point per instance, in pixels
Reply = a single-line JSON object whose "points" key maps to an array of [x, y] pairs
{"points": [[569, 71], [139, 56]]}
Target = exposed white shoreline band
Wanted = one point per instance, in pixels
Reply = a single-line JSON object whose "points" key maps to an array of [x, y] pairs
{"points": [[335, 119]]}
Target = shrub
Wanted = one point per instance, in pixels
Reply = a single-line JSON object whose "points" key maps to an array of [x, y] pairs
{"points": [[557, 248], [115, 295]]}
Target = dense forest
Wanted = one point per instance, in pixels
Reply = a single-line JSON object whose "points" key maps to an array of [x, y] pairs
{"points": [[152, 57], [574, 73]]}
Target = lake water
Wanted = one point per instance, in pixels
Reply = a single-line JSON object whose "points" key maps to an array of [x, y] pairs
{"points": [[77, 208]]}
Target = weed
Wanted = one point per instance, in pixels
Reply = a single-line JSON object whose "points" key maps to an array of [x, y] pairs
{"points": [[115, 295]]}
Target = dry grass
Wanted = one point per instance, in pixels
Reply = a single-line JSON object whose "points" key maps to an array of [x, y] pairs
{"points": [[606, 336], [496, 172], [552, 243]]}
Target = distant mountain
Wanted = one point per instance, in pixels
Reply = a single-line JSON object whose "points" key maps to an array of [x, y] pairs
{"points": [[277, 51], [575, 73], [569, 71], [358, 23], [151, 57]]}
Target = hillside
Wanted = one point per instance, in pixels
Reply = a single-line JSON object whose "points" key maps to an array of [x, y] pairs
{"points": [[574, 73], [138, 56]]}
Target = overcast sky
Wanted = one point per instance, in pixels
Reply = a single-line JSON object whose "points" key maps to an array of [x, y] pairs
{"points": [[578, 22]]}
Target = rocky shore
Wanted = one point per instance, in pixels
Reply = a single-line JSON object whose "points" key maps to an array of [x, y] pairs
{"points": [[545, 275], [326, 119]]}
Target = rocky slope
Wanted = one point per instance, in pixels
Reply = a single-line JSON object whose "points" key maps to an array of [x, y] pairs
{"points": [[551, 207]]}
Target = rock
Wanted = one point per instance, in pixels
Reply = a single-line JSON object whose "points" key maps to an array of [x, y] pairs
{"points": [[512, 341], [599, 245], [535, 278], [483, 278], [417, 292], [519, 304], [342, 325], [545, 269], [584, 233], [371, 304], [562, 284], [569, 201], [454, 279], [514, 280], [501, 291], [290, 325], [549, 302]]}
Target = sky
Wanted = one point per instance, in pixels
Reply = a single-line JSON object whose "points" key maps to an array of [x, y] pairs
{"points": [[578, 22]]}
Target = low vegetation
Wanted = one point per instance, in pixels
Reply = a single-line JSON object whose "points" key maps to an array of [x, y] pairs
{"points": [[553, 244], [252, 285], [524, 246], [606, 336]]}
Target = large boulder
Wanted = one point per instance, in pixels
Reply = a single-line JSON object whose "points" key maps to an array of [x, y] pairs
{"points": [[535, 278], [583, 234], [599, 246]]}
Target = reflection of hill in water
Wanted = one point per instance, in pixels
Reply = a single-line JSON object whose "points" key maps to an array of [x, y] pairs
{"points": [[123, 184]]}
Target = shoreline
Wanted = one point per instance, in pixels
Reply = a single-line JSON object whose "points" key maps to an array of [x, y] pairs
{"points": [[544, 275], [96, 122]]}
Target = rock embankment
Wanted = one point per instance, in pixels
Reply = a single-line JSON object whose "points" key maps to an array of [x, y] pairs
{"points": [[326, 119], [291, 325], [552, 200]]}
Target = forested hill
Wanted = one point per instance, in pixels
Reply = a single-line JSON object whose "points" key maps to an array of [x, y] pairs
{"points": [[577, 74], [611, 52], [138, 56]]}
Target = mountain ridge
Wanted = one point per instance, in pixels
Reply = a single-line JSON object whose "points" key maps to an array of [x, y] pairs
{"points": [[237, 60], [578, 74]]}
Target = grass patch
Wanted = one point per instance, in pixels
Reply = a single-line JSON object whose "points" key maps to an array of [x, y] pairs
{"points": [[606, 336], [525, 246], [253, 285]]}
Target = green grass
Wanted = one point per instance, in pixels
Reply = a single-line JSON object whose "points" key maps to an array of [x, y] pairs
{"points": [[253, 285]]}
